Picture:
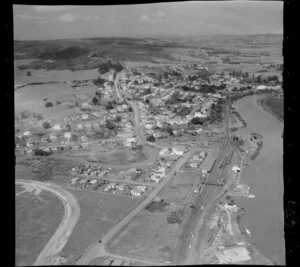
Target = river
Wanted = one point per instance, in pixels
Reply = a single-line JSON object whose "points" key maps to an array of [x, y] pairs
{"points": [[265, 217]]}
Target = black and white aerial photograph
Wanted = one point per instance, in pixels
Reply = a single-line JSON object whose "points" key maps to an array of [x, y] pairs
{"points": [[149, 134]]}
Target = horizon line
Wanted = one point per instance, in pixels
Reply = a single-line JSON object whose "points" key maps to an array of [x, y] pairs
{"points": [[150, 37]]}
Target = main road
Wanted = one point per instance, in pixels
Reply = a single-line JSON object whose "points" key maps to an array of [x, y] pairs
{"points": [[141, 140], [49, 255]]}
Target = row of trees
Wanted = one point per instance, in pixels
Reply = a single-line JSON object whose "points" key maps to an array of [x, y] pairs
{"points": [[107, 66], [205, 88], [251, 78]]}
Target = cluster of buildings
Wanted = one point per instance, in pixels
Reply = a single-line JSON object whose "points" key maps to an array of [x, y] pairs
{"points": [[107, 186], [196, 160], [152, 95], [88, 170]]}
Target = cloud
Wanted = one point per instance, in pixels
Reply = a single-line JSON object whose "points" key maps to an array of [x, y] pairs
{"points": [[67, 18], [145, 18], [30, 18], [50, 8], [155, 18]]}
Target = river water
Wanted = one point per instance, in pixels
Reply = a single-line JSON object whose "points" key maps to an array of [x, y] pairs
{"points": [[265, 217]]}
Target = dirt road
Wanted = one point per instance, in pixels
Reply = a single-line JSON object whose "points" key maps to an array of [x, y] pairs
{"points": [[49, 255]]}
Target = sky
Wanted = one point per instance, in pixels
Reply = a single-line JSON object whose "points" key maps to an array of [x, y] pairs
{"points": [[194, 18]]}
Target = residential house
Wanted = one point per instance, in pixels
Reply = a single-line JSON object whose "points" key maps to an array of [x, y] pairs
{"points": [[67, 135]]}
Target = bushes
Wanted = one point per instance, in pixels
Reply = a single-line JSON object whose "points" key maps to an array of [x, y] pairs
{"points": [[46, 125], [175, 217], [99, 81], [48, 104], [110, 125], [95, 100], [107, 66], [29, 73], [197, 120], [37, 116], [157, 206], [58, 102], [118, 118], [25, 114], [40, 152], [74, 138], [109, 105]]}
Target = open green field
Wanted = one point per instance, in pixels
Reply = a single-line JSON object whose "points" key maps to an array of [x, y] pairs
{"points": [[98, 213], [84, 54], [151, 234], [37, 218]]}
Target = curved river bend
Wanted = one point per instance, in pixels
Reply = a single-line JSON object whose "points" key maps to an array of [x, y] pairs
{"points": [[265, 217]]}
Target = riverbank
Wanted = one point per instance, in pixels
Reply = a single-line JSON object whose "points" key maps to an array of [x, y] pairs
{"points": [[264, 218]]}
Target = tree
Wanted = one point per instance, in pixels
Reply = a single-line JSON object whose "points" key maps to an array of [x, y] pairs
{"points": [[118, 118], [109, 105], [74, 137], [151, 138], [110, 125], [259, 79], [48, 104], [68, 128], [130, 109], [38, 116], [95, 100], [197, 120], [29, 73], [169, 130], [99, 81], [25, 114], [58, 102]]}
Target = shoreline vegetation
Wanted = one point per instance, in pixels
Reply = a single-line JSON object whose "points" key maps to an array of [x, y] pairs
{"points": [[257, 151], [262, 103], [240, 118]]}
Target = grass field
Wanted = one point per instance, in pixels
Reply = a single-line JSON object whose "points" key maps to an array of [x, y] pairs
{"points": [[99, 212], [149, 235], [37, 218]]}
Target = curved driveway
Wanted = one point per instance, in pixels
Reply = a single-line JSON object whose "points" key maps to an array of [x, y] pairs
{"points": [[49, 255]]}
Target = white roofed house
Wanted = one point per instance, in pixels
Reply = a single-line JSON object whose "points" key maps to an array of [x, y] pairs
{"points": [[52, 136], [200, 115], [56, 127], [84, 138], [138, 190], [85, 116], [130, 141], [67, 135], [27, 133]]}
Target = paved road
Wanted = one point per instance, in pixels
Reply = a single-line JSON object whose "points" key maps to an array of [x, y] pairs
{"points": [[97, 250], [141, 140], [49, 255]]}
